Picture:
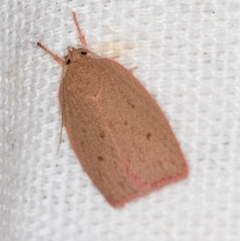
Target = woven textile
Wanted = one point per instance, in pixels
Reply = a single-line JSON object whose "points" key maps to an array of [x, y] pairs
{"points": [[188, 57]]}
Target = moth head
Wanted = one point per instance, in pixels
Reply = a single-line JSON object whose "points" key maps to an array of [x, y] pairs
{"points": [[80, 54]]}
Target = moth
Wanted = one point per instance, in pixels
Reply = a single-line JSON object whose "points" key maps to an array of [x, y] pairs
{"points": [[116, 129]]}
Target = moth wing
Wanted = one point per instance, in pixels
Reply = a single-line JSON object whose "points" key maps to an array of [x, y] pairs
{"points": [[148, 149], [118, 131], [95, 149]]}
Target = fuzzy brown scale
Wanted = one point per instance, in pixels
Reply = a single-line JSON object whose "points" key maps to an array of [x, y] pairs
{"points": [[116, 129]]}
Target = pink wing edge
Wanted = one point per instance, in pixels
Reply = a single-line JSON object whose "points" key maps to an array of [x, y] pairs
{"points": [[146, 188]]}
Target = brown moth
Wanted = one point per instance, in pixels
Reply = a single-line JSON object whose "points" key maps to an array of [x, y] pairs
{"points": [[116, 129]]}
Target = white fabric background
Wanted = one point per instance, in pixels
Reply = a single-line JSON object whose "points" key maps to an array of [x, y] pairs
{"points": [[188, 57]]}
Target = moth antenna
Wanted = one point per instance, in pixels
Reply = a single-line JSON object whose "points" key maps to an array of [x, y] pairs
{"points": [[60, 138], [81, 36], [54, 56], [62, 110]]}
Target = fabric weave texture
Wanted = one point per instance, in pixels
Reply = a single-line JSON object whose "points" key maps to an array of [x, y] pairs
{"points": [[188, 58]]}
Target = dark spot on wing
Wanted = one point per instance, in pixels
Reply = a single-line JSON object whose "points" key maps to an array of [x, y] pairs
{"points": [[100, 158], [148, 135]]}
